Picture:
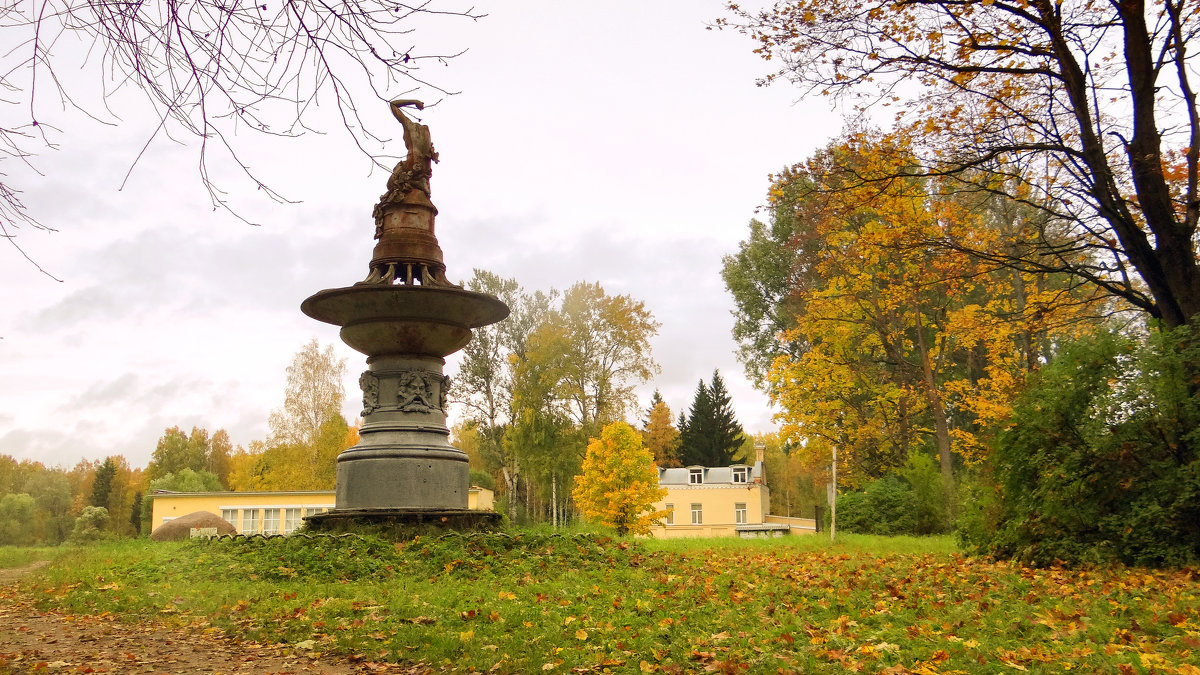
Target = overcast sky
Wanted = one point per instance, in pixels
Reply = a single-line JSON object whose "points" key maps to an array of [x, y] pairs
{"points": [[618, 142]]}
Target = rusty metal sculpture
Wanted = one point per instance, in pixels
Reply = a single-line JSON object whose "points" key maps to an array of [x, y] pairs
{"points": [[408, 250], [406, 317]]}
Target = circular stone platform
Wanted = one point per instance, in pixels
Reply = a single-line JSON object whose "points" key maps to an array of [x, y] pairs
{"points": [[401, 524]]}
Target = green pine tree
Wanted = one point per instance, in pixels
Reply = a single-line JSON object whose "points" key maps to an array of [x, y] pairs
{"points": [[711, 435], [655, 399], [102, 486], [727, 434]]}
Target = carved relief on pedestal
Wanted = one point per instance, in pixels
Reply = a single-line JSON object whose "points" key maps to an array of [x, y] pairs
{"points": [[419, 391], [370, 389], [414, 391]]}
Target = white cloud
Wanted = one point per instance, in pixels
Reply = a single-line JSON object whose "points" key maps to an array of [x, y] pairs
{"points": [[619, 143]]}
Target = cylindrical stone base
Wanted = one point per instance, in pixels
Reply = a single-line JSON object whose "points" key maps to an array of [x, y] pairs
{"points": [[402, 478], [403, 459]]}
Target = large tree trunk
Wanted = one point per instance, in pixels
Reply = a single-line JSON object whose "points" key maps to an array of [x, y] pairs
{"points": [[1168, 265], [940, 424]]}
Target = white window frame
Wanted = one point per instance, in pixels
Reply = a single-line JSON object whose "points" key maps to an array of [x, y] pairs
{"points": [[695, 476], [739, 513], [270, 521], [230, 516], [741, 474], [697, 514], [250, 523], [670, 509], [291, 520]]}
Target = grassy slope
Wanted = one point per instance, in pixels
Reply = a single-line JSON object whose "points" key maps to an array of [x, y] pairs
{"points": [[545, 603]]}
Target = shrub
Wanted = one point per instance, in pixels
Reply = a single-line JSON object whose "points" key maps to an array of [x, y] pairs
{"points": [[911, 502], [16, 519], [483, 479], [1101, 464], [89, 526], [924, 478], [886, 506]]}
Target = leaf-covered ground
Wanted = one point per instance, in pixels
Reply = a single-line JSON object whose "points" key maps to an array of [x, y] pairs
{"points": [[539, 603]]}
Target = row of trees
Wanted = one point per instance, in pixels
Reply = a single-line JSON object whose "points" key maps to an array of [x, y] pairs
{"points": [[893, 349], [708, 434], [537, 387], [40, 504], [45, 505]]}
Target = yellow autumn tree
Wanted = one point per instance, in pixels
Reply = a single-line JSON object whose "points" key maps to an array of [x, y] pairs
{"points": [[619, 483], [904, 344]]}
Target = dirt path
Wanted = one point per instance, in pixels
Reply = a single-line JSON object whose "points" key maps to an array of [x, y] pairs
{"points": [[35, 641]]}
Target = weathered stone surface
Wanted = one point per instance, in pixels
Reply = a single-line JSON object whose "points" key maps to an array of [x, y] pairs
{"points": [[179, 529]]}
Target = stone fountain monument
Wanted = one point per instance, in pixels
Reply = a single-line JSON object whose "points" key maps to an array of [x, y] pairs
{"points": [[406, 317]]}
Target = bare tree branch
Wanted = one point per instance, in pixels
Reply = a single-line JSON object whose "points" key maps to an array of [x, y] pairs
{"points": [[1005, 95], [210, 69]]}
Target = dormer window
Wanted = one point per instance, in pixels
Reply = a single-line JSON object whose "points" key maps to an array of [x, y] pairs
{"points": [[695, 476], [741, 474]]}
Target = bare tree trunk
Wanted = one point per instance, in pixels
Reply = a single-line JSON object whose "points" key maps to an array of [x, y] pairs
{"points": [[940, 424], [554, 499], [1028, 348], [510, 484], [529, 497]]}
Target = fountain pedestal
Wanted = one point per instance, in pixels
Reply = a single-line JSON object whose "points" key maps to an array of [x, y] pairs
{"points": [[406, 317]]}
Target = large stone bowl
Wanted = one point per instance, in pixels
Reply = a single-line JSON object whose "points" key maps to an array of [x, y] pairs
{"points": [[397, 319]]}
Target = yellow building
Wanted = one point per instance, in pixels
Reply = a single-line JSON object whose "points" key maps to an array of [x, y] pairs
{"points": [[266, 512], [720, 501]]}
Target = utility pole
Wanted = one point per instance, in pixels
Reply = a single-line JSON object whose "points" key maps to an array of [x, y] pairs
{"points": [[833, 499]]}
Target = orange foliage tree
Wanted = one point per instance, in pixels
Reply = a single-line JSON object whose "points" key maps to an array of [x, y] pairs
{"points": [[659, 433], [1083, 110], [619, 483]]}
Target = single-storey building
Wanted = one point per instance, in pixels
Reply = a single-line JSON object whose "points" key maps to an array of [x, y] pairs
{"points": [[266, 512]]}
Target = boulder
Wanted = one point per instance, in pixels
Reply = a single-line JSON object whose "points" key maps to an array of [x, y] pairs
{"points": [[180, 528]]}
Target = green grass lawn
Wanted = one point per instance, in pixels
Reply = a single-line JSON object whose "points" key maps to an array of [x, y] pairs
{"points": [[541, 603], [21, 556]]}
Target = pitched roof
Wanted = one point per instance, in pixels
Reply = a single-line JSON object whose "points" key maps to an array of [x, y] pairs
{"points": [[713, 475]]}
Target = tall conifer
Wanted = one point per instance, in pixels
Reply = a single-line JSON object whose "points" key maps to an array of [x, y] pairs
{"points": [[102, 485], [711, 435]]}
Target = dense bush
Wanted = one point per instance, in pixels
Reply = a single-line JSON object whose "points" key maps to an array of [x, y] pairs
{"points": [[483, 479], [923, 477], [16, 519], [886, 506], [317, 559], [1100, 464], [349, 557], [89, 526], [911, 502]]}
